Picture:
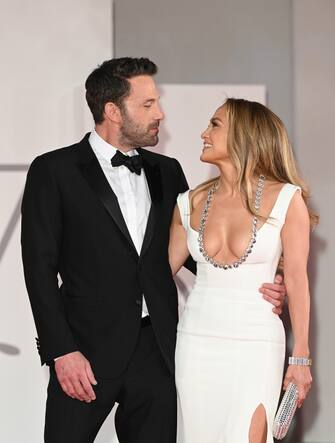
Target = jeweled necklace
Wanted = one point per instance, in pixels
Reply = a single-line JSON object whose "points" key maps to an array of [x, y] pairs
{"points": [[248, 250]]}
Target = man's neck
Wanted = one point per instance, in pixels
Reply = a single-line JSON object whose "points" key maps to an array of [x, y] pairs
{"points": [[111, 138]]}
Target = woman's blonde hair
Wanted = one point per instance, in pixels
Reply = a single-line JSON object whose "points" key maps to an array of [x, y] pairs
{"points": [[257, 143]]}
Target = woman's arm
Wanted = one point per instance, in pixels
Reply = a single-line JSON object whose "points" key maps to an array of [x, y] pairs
{"points": [[178, 250], [295, 240]]}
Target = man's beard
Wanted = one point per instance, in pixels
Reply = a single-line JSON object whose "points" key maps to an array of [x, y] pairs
{"points": [[135, 135]]}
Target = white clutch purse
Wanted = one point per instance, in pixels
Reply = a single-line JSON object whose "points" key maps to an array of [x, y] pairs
{"points": [[285, 412]]}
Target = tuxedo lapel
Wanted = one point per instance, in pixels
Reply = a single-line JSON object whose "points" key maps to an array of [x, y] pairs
{"points": [[90, 169], [154, 179]]}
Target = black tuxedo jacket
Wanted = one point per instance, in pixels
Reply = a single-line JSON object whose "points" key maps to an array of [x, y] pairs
{"points": [[72, 225]]}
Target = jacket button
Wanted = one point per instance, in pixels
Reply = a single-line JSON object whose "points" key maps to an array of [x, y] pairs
{"points": [[139, 302]]}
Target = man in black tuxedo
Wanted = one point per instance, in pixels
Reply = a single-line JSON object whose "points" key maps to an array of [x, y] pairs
{"points": [[97, 214]]}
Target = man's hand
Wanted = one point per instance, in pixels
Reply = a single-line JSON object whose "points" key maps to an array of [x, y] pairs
{"points": [[275, 293], [75, 376]]}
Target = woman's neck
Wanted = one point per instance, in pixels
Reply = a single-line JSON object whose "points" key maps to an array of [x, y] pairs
{"points": [[227, 179]]}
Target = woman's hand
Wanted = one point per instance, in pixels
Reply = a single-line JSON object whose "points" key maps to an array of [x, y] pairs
{"points": [[302, 378]]}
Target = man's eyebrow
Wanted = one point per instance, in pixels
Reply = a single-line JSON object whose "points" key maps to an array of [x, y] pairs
{"points": [[151, 99]]}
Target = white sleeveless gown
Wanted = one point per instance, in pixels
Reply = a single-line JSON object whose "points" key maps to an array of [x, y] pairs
{"points": [[230, 345]]}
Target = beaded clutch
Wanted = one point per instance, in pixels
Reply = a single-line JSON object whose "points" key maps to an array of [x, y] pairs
{"points": [[285, 412]]}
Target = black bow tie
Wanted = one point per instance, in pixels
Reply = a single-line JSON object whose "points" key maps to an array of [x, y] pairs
{"points": [[134, 164]]}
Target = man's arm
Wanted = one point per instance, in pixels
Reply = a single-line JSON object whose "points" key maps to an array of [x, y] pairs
{"points": [[41, 233], [41, 237], [275, 293]]}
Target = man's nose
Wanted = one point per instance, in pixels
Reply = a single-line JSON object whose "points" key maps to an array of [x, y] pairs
{"points": [[160, 114]]}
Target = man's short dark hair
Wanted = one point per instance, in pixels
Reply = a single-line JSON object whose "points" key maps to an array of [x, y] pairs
{"points": [[109, 82]]}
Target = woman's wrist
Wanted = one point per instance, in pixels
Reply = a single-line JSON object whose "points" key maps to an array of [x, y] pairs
{"points": [[301, 351], [300, 361]]}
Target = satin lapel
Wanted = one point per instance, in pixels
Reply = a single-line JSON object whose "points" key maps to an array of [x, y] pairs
{"points": [[154, 179], [93, 174]]}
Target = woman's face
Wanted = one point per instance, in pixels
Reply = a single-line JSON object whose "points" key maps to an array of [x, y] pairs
{"points": [[215, 138]]}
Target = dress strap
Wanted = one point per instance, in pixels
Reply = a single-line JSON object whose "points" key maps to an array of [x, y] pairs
{"points": [[184, 208], [283, 201]]}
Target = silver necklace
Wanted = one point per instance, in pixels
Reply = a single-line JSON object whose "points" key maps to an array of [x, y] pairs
{"points": [[248, 250]]}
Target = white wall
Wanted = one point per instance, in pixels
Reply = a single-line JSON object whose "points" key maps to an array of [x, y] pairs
{"points": [[314, 95], [47, 50]]}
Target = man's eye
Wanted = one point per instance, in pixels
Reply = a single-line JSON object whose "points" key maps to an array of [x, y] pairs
{"points": [[148, 105]]}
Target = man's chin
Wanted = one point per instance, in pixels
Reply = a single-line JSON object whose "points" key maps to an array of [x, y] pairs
{"points": [[152, 141]]}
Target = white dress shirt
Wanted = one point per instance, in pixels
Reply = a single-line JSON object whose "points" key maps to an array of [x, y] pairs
{"points": [[130, 189]]}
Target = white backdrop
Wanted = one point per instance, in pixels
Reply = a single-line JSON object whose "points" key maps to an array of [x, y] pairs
{"points": [[47, 50]]}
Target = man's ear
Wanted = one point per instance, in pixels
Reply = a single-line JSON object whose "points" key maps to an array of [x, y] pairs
{"points": [[112, 112]]}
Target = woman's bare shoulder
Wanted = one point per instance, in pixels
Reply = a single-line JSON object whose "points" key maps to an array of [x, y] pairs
{"points": [[197, 197], [272, 188]]}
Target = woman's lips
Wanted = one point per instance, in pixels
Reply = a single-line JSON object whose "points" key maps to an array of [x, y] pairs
{"points": [[207, 146]]}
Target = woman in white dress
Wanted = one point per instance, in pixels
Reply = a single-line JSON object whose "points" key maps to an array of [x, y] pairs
{"points": [[230, 345]]}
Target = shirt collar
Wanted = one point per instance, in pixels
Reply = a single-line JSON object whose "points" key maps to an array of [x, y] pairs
{"points": [[106, 150]]}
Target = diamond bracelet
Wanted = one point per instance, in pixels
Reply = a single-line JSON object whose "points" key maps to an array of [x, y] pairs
{"points": [[300, 361]]}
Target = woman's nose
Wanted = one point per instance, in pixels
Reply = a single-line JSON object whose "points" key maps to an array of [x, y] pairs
{"points": [[203, 134]]}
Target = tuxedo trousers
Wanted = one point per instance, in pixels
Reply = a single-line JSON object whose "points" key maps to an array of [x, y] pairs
{"points": [[145, 395]]}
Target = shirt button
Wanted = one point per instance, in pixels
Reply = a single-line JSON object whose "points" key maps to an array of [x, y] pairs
{"points": [[139, 302]]}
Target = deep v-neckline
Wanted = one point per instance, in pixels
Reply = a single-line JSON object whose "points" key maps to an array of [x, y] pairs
{"points": [[270, 216], [231, 264]]}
